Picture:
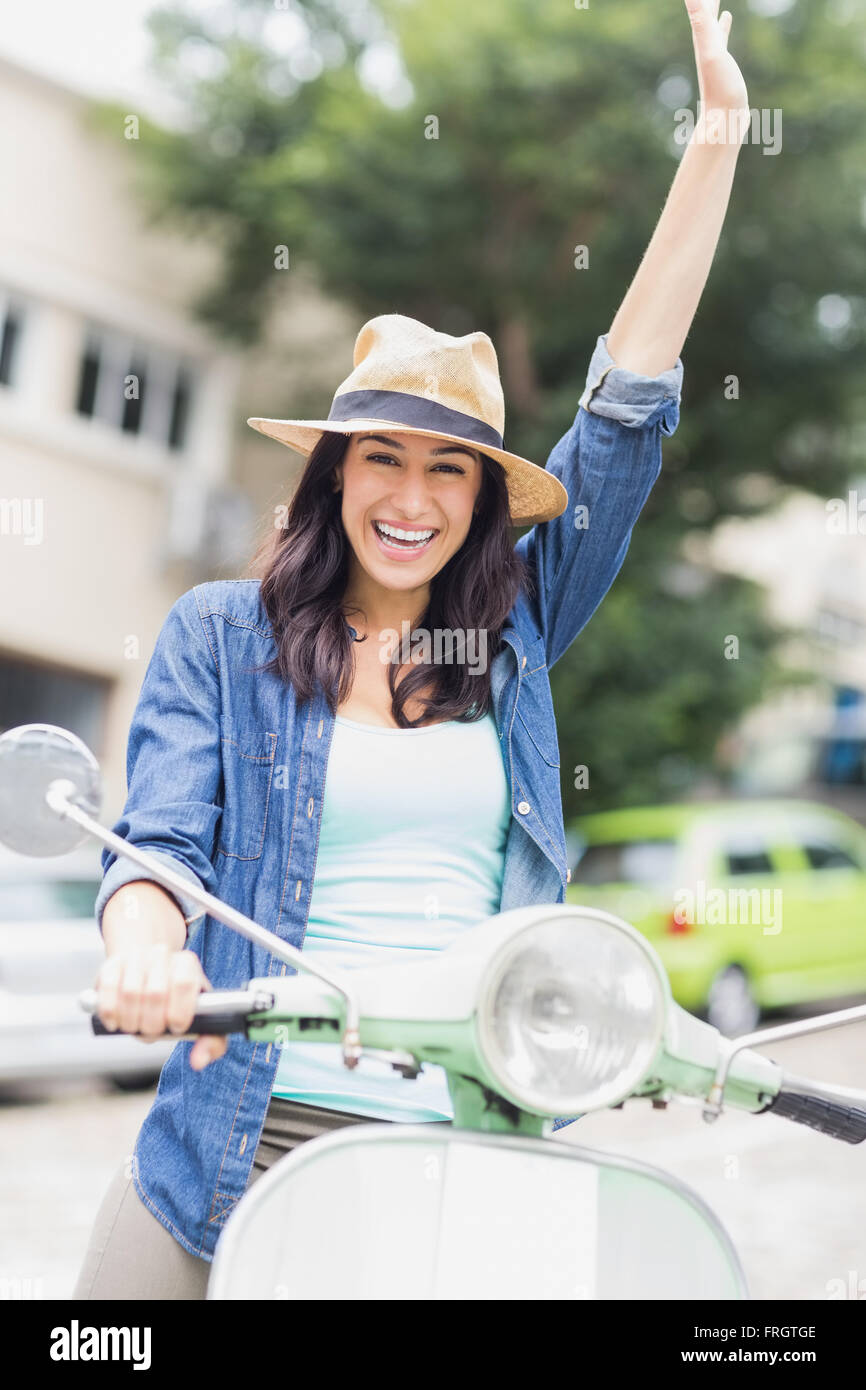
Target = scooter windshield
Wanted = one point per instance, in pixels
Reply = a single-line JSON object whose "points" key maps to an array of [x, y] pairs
{"points": [[429, 1212]]}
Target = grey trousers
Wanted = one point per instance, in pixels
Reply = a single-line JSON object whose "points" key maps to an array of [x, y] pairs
{"points": [[132, 1256]]}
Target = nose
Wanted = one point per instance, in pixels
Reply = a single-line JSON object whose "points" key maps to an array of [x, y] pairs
{"points": [[411, 495]]}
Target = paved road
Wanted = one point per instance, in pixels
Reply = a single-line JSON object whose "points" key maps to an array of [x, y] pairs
{"points": [[793, 1201]]}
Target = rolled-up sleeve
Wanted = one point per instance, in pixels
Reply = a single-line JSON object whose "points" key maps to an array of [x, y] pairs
{"points": [[634, 400], [173, 764]]}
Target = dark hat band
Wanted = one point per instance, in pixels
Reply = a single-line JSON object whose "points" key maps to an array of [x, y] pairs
{"points": [[415, 412]]}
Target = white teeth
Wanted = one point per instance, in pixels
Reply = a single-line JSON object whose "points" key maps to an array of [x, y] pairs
{"points": [[417, 537]]}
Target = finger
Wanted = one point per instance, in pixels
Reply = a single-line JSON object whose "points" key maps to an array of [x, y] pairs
{"points": [[206, 1049], [155, 992], [107, 990], [725, 23], [705, 30], [185, 983], [130, 994]]}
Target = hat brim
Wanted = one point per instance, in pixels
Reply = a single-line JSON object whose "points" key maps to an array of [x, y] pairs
{"points": [[534, 495]]}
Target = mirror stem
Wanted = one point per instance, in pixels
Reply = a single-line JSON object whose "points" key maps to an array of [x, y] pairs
{"points": [[730, 1047]]}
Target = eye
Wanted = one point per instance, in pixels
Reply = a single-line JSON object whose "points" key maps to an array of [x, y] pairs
{"points": [[443, 467]]}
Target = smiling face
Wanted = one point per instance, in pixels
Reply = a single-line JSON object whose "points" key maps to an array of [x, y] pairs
{"points": [[407, 504]]}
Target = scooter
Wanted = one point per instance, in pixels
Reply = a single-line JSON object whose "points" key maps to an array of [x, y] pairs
{"points": [[537, 1013]]}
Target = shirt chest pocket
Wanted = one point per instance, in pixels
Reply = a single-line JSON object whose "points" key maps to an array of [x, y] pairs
{"points": [[535, 703], [248, 774]]}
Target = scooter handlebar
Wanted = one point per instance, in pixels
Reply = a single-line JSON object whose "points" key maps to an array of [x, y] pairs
{"points": [[231, 1021], [798, 1101], [222, 1012]]}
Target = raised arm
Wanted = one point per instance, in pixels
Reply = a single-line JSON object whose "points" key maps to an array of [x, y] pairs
{"points": [[650, 328], [611, 456]]}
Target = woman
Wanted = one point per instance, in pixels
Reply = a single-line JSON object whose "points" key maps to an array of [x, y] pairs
{"points": [[363, 795]]}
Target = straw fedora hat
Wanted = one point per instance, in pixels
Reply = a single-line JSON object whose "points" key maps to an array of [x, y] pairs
{"points": [[410, 377]]}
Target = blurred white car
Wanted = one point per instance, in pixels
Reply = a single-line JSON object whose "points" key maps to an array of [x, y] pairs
{"points": [[50, 950]]}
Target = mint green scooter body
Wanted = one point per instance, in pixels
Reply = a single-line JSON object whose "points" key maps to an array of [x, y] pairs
{"points": [[491, 1206]]}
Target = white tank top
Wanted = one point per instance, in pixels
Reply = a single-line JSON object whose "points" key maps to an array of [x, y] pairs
{"points": [[411, 853]]}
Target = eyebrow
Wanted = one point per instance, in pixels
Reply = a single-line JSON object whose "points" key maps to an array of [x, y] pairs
{"points": [[392, 443]]}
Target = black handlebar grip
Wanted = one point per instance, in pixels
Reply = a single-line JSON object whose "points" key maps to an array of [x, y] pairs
{"points": [[830, 1117], [225, 1021]]}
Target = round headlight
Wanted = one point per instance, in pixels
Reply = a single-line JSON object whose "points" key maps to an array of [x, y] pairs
{"points": [[572, 1012]]}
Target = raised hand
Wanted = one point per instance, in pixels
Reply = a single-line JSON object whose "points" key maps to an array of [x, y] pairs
{"points": [[721, 84]]}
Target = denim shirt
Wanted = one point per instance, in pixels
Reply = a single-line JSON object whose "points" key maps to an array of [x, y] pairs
{"points": [[226, 777]]}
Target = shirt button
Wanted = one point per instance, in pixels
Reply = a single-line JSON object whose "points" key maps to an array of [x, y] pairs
{"points": [[523, 663], [523, 807]]}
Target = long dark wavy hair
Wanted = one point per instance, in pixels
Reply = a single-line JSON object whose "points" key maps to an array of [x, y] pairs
{"points": [[303, 567]]}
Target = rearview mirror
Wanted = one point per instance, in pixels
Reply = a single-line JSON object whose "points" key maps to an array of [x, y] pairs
{"points": [[32, 756]]}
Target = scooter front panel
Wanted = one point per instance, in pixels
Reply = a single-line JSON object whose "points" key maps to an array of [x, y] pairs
{"points": [[430, 1212]]}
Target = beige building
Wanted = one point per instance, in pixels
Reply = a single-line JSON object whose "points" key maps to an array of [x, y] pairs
{"points": [[809, 555], [127, 472]]}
